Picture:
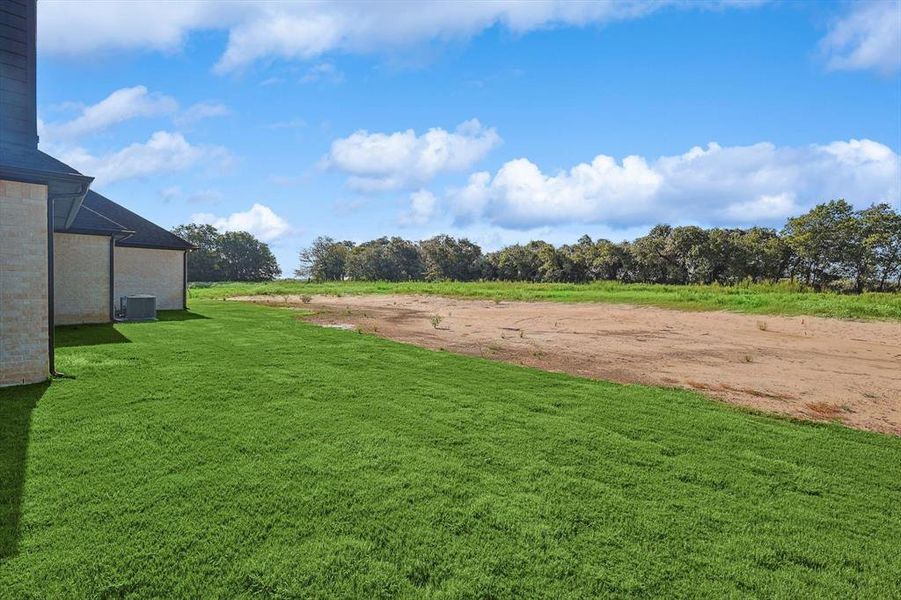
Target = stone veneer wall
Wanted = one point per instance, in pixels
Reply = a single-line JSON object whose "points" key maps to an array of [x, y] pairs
{"points": [[150, 271], [80, 278], [24, 333]]}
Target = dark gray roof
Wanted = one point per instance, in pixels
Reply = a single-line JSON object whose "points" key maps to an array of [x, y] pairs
{"points": [[101, 216], [34, 160], [65, 185], [91, 222]]}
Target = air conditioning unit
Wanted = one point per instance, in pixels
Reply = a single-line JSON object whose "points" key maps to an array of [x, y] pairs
{"points": [[140, 307]]}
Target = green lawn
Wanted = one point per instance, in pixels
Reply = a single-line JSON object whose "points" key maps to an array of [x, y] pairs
{"points": [[237, 452], [756, 299]]}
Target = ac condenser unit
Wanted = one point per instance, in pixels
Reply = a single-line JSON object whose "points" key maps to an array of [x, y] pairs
{"points": [[140, 307]]}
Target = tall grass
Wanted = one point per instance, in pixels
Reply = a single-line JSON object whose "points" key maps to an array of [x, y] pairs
{"points": [[782, 298]]}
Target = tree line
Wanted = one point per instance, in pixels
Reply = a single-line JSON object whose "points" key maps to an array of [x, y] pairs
{"points": [[832, 246], [228, 256]]}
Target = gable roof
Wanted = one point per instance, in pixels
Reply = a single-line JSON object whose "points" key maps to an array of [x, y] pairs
{"points": [[101, 216], [35, 160], [89, 221]]}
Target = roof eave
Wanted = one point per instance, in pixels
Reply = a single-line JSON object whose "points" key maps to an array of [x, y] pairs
{"points": [[158, 247], [60, 186]]}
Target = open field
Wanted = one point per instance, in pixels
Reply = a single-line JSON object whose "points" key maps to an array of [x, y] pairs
{"points": [[237, 451], [808, 367], [756, 299]]}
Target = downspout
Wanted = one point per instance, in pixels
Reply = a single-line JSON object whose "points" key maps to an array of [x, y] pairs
{"points": [[112, 259], [51, 354], [184, 289], [112, 272]]}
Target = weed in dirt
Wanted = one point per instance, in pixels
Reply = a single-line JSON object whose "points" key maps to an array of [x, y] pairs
{"points": [[748, 358], [761, 325], [306, 298], [435, 320]]}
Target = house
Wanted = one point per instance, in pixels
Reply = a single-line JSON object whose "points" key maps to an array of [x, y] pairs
{"points": [[109, 252], [66, 253]]}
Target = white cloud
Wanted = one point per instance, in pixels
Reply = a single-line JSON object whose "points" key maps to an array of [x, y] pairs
{"points": [[260, 220], [762, 209], [164, 152], [260, 29], [138, 24], [388, 161], [200, 111], [738, 184], [423, 206], [122, 105], [868, 37]]}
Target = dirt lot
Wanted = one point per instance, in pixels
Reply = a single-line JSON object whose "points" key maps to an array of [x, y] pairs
{"points": [[802, 366]]}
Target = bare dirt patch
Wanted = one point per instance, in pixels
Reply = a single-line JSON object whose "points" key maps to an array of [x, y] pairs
{"points": [[808, 367]]}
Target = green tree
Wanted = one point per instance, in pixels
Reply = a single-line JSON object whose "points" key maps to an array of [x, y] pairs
{"points": [[245, 258], [688, 254], [826, 244], [577, 260], [882, 242], [447, 259], [204, 263], [610, 261], [521, 262], [651, 262], [385, 259], [758, 254], [553, 264], [324, 260]]}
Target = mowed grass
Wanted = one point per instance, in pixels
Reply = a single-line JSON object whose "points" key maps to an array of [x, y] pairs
{"points": [[778, 299], [236, 452]]}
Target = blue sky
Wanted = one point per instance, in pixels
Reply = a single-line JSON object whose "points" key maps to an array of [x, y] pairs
{"points": [[501, 122]]}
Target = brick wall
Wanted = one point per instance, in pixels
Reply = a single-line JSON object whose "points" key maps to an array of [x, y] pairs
{"points": [[80, 278], [24, 336], [150, 271]]}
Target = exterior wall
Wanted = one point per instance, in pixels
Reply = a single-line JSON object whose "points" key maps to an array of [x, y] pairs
{"points": [[150, 271], [24, 331], [80, 278]]}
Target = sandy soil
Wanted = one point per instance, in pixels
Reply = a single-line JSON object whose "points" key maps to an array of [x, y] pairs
{"points": [[814, 368]]}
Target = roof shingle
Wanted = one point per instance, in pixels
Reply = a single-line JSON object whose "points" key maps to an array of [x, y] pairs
{"points": [[101, 216]]}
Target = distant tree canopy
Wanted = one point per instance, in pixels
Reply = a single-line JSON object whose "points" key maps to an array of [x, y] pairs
{"points": [[325, 260], [229, 256], [832, 246]]}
